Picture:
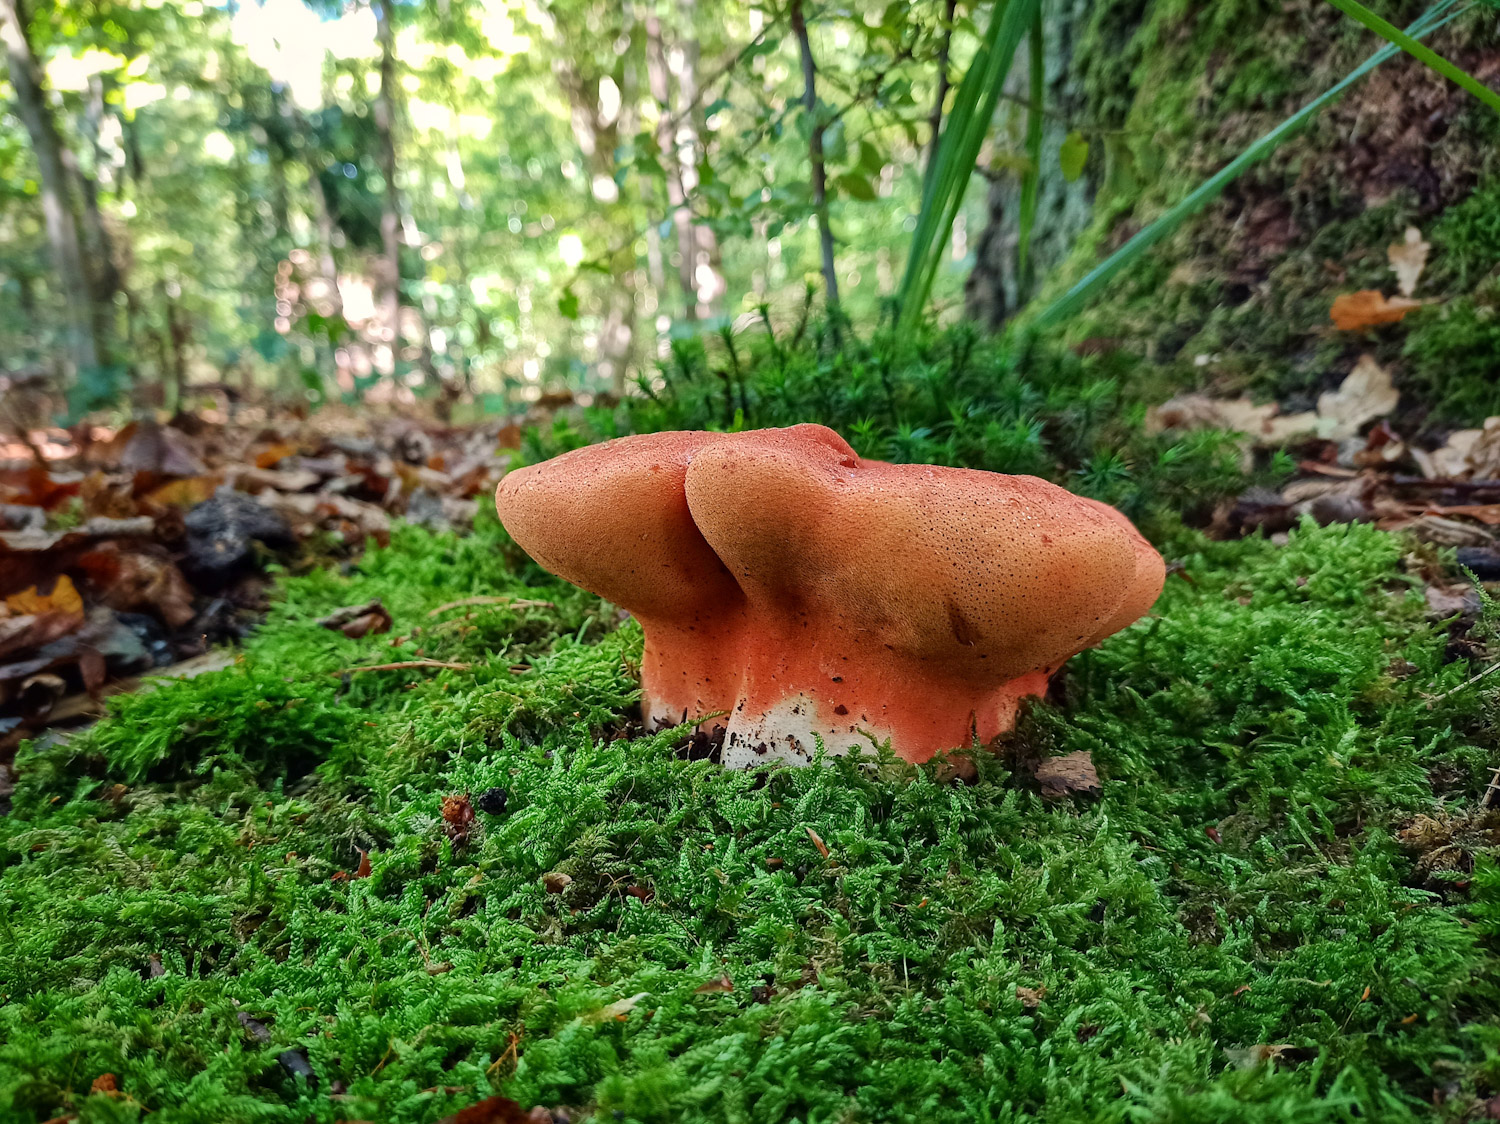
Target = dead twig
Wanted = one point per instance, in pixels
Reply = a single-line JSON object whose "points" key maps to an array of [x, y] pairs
{"points": [[509, 602], [1466, 683], [1491, 789], [404, 665]]}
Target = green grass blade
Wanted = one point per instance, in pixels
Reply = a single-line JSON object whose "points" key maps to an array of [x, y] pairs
{"points": [[958, 152], [1076, 297], [1437, 62], [1031, 182]]}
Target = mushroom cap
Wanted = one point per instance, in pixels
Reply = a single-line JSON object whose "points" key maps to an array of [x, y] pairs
{"points": [[1145, 584], [613, 518], [983, 576]]}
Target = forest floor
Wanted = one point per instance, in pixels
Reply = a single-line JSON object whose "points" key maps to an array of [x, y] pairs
{"points": [[428, 866]]}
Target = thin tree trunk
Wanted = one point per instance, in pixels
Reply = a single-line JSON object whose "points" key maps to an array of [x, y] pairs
{"points": [[389, 273], [935, 118], [656, 274], [86, 348], [815, 152], [659, 80], [98, 246], [696, 242]]}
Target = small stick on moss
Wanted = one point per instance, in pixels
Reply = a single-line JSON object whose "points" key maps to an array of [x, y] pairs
{"points": [[507, 601], [1490, 789], [1466, 683], [404, 665]]}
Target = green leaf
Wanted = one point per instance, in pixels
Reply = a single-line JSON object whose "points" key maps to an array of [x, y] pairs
{"points": [[871, 159], [567, 304], [957, 152], [1073, 155], [856, 187]]}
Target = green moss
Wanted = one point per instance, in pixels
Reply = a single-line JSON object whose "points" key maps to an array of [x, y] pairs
{"points": [[1451, 358], [142, 930], [1467, 239]]}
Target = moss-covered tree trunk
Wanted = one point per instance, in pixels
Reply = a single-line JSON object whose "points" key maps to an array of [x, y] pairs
{"points": [[1238, 299]]}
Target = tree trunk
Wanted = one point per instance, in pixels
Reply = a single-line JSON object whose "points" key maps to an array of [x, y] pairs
{"points": [[696, 242], [935, 118], [87, 348], [659, 79], [99, 265], [815, 153], [388, 273], [995, 288]]}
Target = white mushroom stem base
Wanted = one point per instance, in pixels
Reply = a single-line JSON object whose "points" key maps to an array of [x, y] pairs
{"points": [[921, 720]]}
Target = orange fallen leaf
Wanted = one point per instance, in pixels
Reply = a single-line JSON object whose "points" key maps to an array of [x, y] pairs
{"points": [[189, 491], [63, 598], [105, 1083], [271, 457], [1488, 513], [1368, 307]]}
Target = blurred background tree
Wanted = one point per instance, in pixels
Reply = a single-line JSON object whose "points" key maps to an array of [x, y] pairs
{"points": [[439, 198], [485, 201]]}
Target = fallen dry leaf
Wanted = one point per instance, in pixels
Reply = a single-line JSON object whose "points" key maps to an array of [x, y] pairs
{"points": [[157, 449], [1486, 513], [105, 1083], [189, 491], [1250, 1057], [62, 598], [458, 817], [134, 580], [1266, 425], [1031, 997], [817, 842], [274, 455], [1450, 460], [357, 621], [619, 1009], [1483, 456], [1071, 774], [142, 526], [1366, 394], [1408, 259], [722, 984], [1367, 308], [556, 882]]}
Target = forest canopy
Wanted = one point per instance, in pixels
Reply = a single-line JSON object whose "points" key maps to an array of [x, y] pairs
{"points": [[526, 195]]}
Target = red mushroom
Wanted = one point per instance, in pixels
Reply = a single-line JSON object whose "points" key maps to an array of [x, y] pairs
{"points": [[813, 595], [908, 602], [613, 518]]}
